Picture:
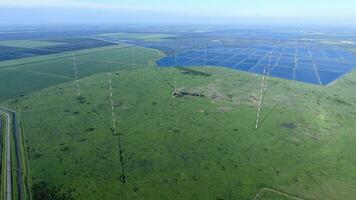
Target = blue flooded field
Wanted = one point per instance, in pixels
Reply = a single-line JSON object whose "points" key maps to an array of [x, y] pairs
{"points": [[280, 53], [303, 61]]}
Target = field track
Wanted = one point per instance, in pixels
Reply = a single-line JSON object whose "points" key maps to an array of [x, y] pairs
{"points": [[289, 196]]}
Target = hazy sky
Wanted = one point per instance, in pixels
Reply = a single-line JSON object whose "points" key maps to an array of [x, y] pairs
{"points": [[184, 11]]}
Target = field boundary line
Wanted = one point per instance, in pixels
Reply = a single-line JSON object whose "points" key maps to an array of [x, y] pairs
{"points": [[67, 55], [41, 73], [111, 62], [340, 78], [105, 40]]}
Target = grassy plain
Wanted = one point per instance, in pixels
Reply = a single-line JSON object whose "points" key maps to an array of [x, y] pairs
{"points": [[190, 147], [180, 148]]}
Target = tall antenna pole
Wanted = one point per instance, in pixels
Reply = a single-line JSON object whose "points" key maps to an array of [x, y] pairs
{"points": [[175, 70], [122, 177], [204, 56], [133, 51], [112, 105], [269, 71], [76, 73], [261, 92]]}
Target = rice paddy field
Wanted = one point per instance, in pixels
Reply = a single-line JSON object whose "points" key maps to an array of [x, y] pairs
{"points": [[200, 144]]}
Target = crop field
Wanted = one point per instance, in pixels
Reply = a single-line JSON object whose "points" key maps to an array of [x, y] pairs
{"points": [[202, 145]]}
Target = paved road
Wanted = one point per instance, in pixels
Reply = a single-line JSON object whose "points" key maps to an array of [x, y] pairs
{"points": [[105, 40], [7, 138], [12, 125]]}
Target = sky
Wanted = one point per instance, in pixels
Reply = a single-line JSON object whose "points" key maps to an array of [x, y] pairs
{"points": [[176, 11]]}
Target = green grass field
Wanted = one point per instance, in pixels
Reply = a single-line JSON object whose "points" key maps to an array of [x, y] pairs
{"points": [[26, 77], [27, 43], [181, 148]]}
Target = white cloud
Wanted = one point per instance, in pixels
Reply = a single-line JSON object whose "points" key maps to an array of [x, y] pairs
{"points": [[72, 4], [113, 7], [186, 12]]}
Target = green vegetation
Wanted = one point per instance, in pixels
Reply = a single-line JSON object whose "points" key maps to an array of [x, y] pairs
{"points": [[191, 147], [15, 186], [25, 161], [27, 43], [43, 191], [24, 78]]}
